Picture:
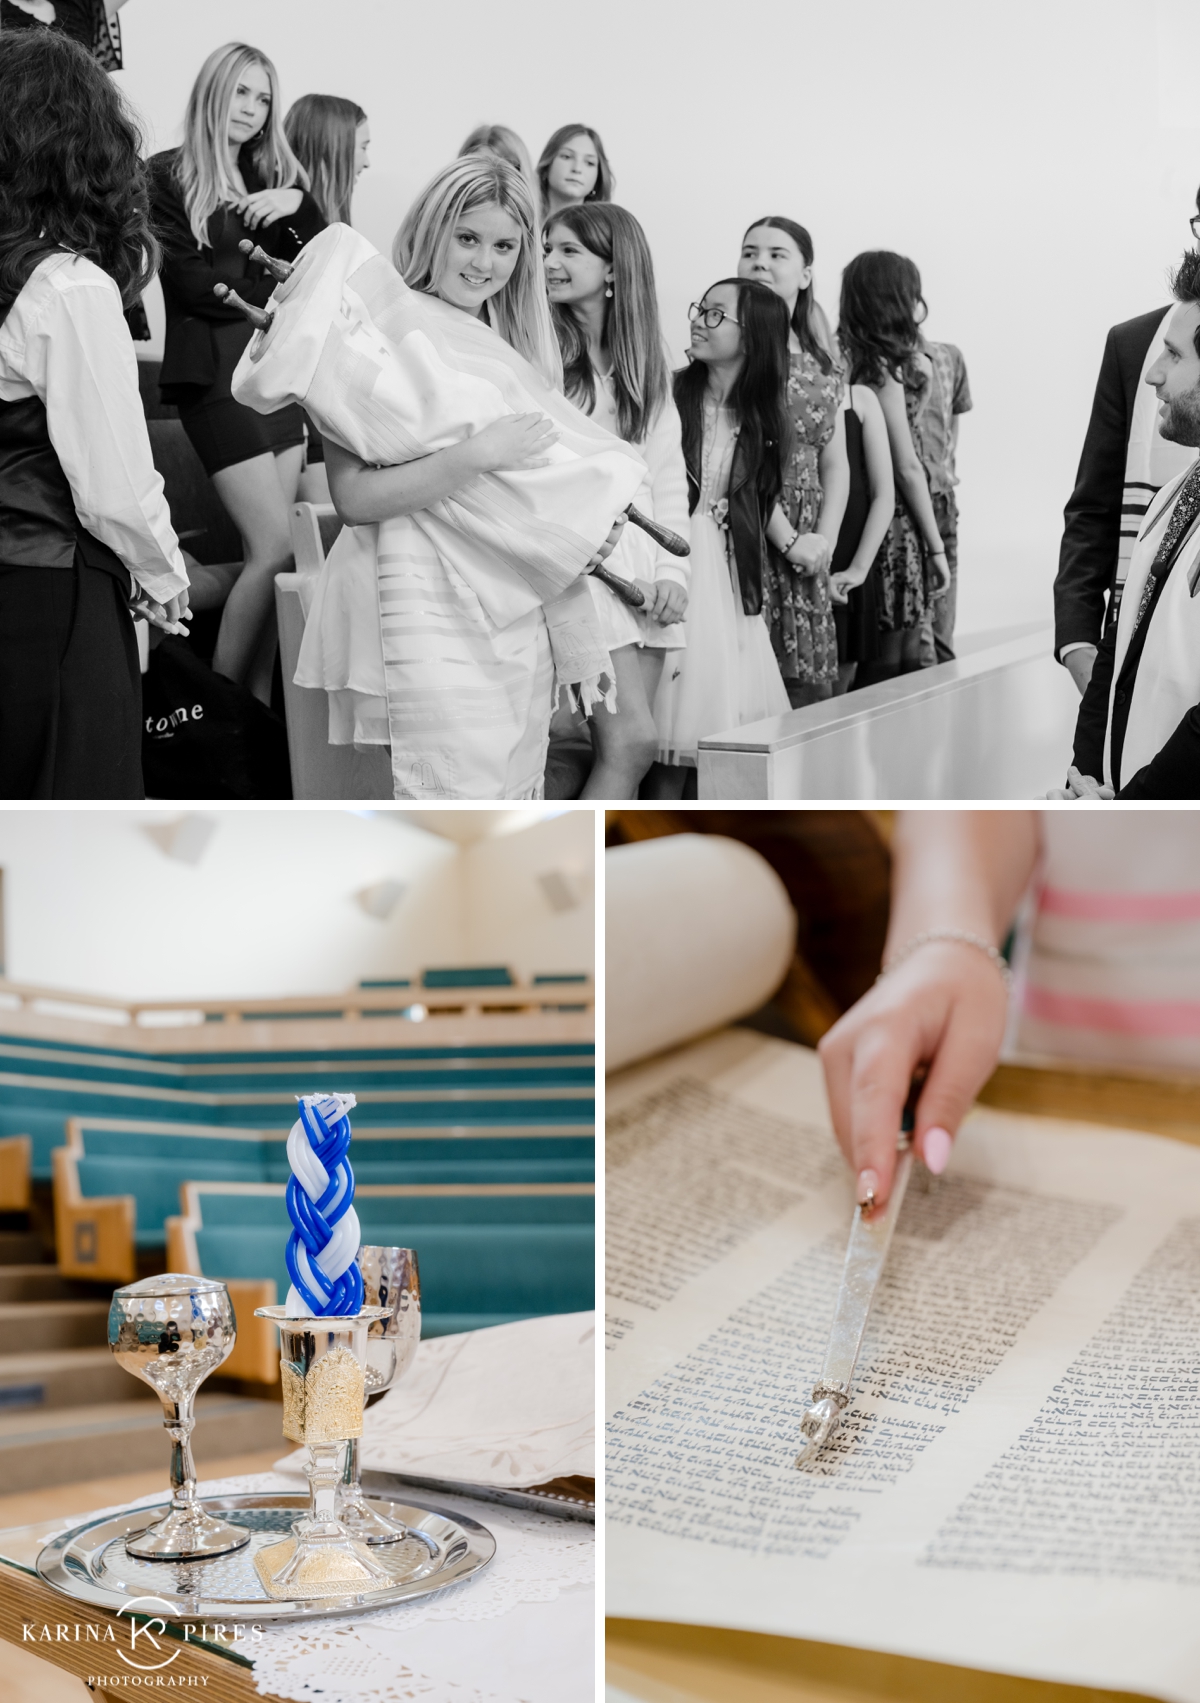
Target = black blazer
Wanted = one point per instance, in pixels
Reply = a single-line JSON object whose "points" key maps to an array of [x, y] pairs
{"points": [[189, 273], [1087, 559]]}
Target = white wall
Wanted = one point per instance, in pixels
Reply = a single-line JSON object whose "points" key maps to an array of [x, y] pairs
{"points": [[1037, 159], [93, 904], [509, 919]]}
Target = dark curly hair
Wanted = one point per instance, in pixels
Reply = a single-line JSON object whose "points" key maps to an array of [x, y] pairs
{"points": [[71, 176], [880, 316], [1185, 285]]}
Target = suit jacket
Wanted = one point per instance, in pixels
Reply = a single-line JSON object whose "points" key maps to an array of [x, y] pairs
{"points": [[189, 273], [1087, 559]]}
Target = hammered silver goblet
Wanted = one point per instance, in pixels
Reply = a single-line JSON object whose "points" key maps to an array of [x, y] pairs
{"points": [[171, 1332], [390, 1279]]}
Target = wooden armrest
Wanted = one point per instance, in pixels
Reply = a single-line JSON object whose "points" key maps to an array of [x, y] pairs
{"points": [[95, 1238], [255, 1354], [16, 1159]]}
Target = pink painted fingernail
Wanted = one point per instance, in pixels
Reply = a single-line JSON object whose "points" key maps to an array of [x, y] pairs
{"points": [[868, 1188], [937, 1146]]}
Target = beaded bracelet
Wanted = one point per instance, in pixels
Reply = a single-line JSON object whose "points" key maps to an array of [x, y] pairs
{"points": [[951, 934]]}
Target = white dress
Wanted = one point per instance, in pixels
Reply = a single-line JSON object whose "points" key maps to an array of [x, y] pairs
{"points": [[728, 675], [662, 497]]}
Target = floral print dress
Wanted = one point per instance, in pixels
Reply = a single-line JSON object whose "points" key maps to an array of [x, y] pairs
{"points": [[797, 606]]}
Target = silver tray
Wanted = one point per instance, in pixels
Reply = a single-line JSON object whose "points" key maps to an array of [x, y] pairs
{"points": [[90, 1563]]}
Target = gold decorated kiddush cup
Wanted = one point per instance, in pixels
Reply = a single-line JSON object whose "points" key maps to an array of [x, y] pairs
{"points": [[390, 1279], [323, 1368]]}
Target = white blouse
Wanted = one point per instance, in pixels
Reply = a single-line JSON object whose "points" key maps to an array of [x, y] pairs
{"points": [[65, 340], [664, 494]]}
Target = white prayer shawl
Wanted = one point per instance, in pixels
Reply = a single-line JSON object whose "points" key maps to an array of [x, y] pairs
{"points": [[440, 617], [1167, 684], [1151, 461]]}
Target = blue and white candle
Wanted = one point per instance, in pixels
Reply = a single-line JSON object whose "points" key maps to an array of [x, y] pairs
{"points": [[325, 1235]]}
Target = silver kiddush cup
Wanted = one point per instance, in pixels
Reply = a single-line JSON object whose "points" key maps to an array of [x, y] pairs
{"points": [[171, 1332], [390, 1279], [323, 1367]]}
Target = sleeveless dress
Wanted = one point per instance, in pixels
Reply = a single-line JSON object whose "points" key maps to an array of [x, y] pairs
{"points": [[797, 606], [905, 589], [728, 675], [1108, 951], [857, 620]]}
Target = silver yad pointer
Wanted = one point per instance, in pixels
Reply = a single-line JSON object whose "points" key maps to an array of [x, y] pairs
{"points": [[870, 1239]]}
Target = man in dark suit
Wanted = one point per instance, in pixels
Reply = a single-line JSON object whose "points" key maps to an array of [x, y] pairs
{"points": [[1170, 769], [1105, 506]]}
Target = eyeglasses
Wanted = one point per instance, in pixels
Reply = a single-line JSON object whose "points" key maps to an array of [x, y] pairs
{"points": [[710, 317]]}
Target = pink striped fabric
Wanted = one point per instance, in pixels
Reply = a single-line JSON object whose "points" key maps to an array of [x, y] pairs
{"points": [[1175, 1017], [1120, 907]]}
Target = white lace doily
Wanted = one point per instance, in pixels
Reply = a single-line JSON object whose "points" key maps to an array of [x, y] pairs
{"points": [[544, 1657]]}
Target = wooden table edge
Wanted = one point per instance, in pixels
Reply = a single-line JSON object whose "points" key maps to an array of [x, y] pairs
{"points": [[25, 1600]]}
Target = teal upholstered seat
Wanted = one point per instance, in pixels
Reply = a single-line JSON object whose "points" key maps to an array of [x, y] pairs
{"points": [[431, 1088], [484, 1259]]}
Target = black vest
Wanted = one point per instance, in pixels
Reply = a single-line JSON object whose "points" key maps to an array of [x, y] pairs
{"points": [[38, 524]]}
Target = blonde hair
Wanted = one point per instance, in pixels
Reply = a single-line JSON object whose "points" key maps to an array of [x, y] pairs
{"points": [[202, 167], [520, 311], [498, 139], [323, 132]]}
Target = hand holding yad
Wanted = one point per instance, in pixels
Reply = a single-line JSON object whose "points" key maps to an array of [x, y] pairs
{"points": [[870, 1238]]}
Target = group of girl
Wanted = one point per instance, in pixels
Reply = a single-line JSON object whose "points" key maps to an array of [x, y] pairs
{"points": [[814, 547]]}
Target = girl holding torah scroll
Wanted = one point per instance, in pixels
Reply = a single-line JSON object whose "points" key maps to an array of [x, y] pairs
{"points": [[605, 309], [476, 496]]}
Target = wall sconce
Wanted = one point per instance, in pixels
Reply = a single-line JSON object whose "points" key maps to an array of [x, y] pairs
{"points": [[563, 889], [381, 900], [187, 839]]}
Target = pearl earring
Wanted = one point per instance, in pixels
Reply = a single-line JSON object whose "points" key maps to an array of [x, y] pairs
{"points": [[608, 292]]}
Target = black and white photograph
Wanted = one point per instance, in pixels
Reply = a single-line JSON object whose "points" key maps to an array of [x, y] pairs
{"points": [[599, 696]]}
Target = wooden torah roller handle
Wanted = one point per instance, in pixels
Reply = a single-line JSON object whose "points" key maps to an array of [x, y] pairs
{"points": [[279, 269], [625, 591], [257, 316], [662, 535]]}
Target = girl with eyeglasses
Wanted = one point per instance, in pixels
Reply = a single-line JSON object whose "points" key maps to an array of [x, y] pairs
{"points": [[235, 176], [573, 168], [600, 278], [881, 313], [797, 597], [736, 443]]}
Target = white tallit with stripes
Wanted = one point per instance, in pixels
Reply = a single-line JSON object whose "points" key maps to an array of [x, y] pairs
{"points": [[1151, 461], [457, 619], [1167, 683]]}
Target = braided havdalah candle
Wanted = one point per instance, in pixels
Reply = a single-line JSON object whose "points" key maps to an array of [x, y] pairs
{"points": [[320, 1201]]}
